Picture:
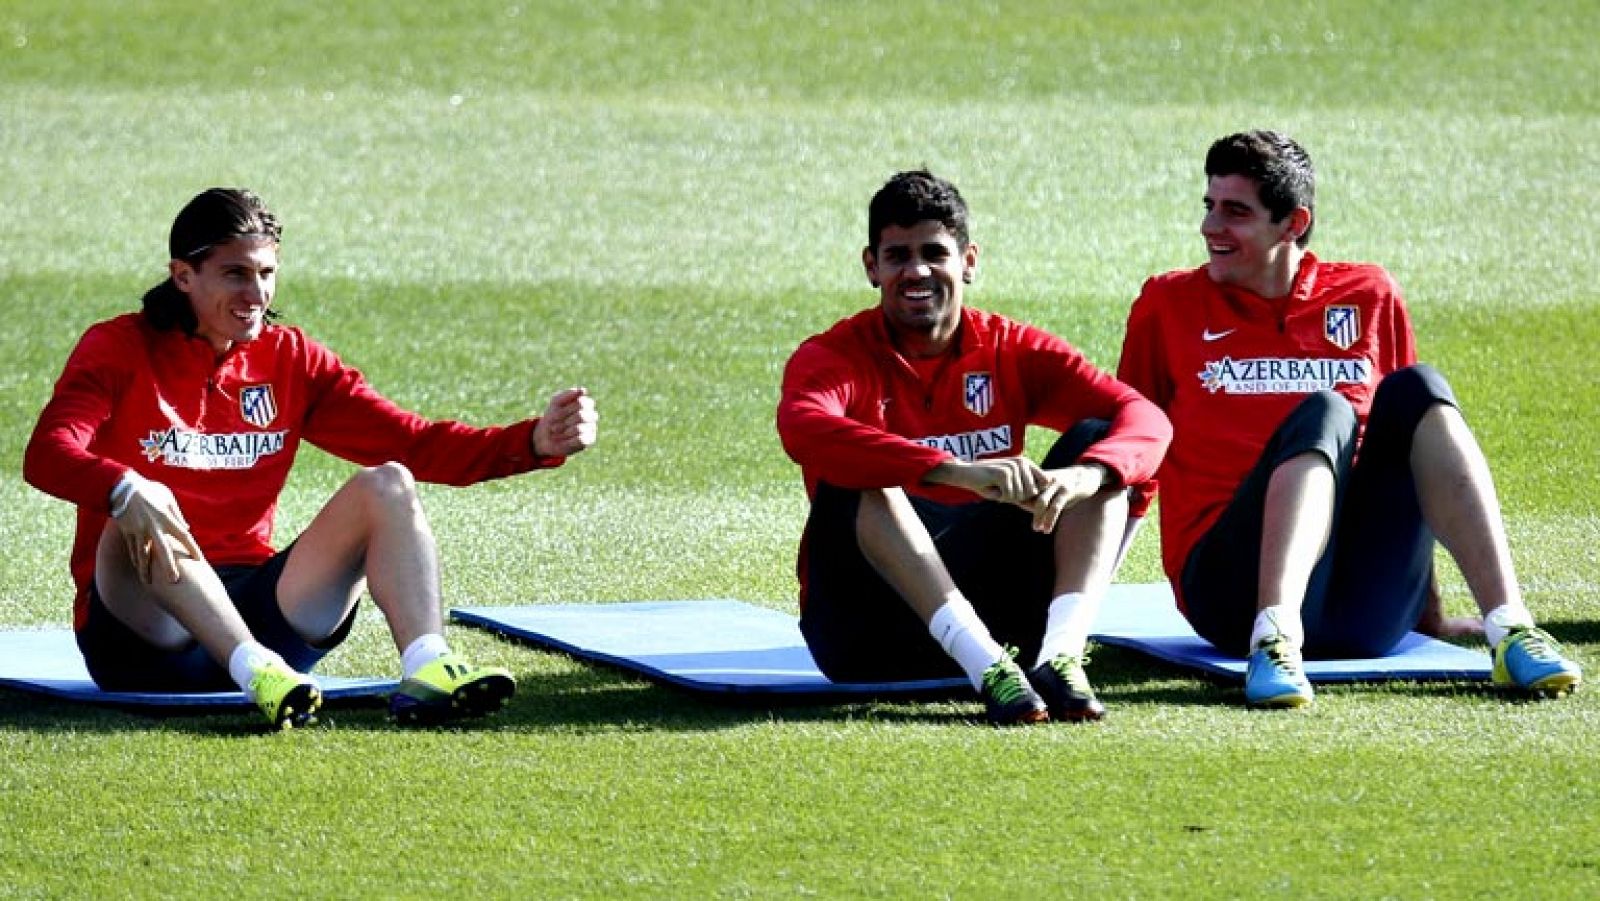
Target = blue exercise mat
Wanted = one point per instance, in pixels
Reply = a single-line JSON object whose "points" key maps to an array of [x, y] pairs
{"points": [[1145, 617], [713, 646], [733, 647], [48, 662]]}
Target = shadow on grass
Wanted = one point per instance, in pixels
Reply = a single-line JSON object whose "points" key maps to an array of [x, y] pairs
{"points": [[25, 711], [1582, 631], [598, 698], [589, 698], [1123, 674], [606, 698]]}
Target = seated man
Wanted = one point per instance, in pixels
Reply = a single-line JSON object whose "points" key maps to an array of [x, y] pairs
{"points": [[931, 536], [1275, 368], [173, 431]]}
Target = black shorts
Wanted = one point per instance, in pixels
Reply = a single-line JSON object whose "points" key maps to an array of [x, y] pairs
{"points": [[1369, 587], [859, 629], [119, 660]]}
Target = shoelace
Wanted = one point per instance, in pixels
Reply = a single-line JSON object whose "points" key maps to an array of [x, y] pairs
{"points": [[1278, 653], [1003, 681], [1071, 669], [1538, 644]]}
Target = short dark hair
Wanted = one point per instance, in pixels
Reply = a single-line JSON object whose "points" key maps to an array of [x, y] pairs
{"points": [[214, 217], [914, 196], [1279, 166]]}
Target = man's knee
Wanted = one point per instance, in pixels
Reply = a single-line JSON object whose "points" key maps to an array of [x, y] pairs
{"points": [[1325, 422], [1403, 398], [387, 483], [1333, 410], [1074, 441], [1413, 390]]}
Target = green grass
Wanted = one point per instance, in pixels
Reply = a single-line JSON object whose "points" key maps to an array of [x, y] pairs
{"points": [[487, 202]]}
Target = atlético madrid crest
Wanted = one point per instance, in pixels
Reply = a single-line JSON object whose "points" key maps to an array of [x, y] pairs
{"points": [[257, 406], [1341, 325], [979, 394]]}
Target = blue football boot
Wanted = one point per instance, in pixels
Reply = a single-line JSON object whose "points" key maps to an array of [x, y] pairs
{"points": [[1275, 677], [1529, 659]]}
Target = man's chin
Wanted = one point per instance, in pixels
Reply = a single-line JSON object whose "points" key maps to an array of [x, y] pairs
{"points": [[1220, 272], [924, 319], [918, 325]]}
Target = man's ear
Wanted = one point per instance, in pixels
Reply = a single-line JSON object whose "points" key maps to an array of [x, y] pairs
{"points": [[1299, 223], [869, 262], [182, 274]]}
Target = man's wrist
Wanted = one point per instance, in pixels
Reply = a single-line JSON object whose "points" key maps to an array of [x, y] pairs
{"points": [[122, 492]]}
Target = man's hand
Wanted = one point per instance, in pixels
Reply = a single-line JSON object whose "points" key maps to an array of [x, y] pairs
{"points": [[1452, 627], [1019, 481], [1435, 624], [1010, 480], [1063, 490], [154, 531], [569, 424]]}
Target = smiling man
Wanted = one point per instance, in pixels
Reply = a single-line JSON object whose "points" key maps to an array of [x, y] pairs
{"points": [[173, 431], [1275, 367], [932, 540]]}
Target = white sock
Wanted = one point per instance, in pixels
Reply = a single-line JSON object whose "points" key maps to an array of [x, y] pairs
{"points": [[1499, 622], [956, 627], [1273, 621], [421, 652], [246, 659], [1066, 626]]}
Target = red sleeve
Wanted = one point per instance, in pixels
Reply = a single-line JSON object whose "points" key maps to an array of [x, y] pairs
{"points": [[1402, 343], [350, 419], [1074, 389], [1143, 368], [820, 423], [58, 460]]}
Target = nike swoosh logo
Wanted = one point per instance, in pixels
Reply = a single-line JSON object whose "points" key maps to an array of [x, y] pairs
{"points": [[1209, 335]]}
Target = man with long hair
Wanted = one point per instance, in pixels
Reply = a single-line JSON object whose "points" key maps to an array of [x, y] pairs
{"points": [[173, 430]]}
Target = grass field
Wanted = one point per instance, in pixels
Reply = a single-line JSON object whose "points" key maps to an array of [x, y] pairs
{"points": [[485, 202]]}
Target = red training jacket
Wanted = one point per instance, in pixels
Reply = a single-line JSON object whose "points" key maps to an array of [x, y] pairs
{"points": [[222, 434], [1228, 365], [857, 414]]}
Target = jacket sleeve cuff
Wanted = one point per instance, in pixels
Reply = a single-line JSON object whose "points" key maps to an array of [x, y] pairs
{"points": [[526, 458]]}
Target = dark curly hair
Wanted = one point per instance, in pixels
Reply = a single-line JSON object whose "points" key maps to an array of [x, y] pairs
{"points": [[916, 196], [214, 217]]}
